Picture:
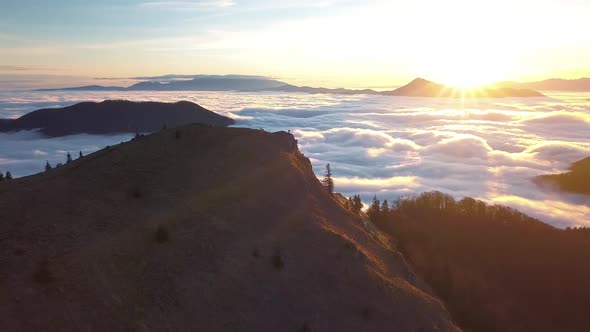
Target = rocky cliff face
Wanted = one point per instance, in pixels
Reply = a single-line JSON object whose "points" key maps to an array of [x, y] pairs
{"points": [[196, 228]]}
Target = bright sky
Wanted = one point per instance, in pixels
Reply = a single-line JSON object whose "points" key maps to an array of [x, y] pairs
{"points": [[317, 42]]}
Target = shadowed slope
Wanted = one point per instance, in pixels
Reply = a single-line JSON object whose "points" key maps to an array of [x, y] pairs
{"points": [[195, 228], [577, 180], [114, 116]]}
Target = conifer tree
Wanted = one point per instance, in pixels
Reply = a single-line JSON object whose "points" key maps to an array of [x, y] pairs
{"points": [[350, 204], [385, 207], [68, 158], [80, 155], [1, 176], [357, 204], [47, 166], [374, 211], [8, 175], [328, 181]]}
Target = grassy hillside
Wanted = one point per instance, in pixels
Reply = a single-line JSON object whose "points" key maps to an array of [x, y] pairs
{"points": [[196, 228]]}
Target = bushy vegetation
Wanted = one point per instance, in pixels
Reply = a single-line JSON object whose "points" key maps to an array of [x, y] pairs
{"points": [[496, 268], [43, 275], [162, 235], [277, 261]]}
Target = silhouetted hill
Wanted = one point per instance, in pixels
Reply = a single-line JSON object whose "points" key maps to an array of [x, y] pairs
{"points": [[553, 84], [496, 268], [417, 88], [114, 116], [198, 228], [424, 88], [577, 180], [210, 84], [307, 89], [88, 88]]}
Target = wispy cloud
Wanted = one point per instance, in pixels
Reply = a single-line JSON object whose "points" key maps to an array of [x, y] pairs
{"points": [[188, 5], [24, 68]]}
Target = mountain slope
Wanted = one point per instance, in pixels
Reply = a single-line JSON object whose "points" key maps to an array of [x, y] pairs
{"points": [[114, 116], [577, 180], [196, 228]]}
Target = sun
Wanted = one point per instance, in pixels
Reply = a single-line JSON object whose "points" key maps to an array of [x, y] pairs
{"points": [[469, 69], [468, 75]]}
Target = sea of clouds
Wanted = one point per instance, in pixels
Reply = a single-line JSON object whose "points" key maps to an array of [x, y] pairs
{"points": [[392, 146]]}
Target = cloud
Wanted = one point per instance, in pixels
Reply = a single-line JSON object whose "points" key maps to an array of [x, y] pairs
{"points": [[187, 5], [461, 147], [392, 146], [22, 68]]}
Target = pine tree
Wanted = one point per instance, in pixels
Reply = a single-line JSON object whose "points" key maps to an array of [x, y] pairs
{"points": [[385, 208], [68, 158], [328, 181], [8, 175], [47, 166], [80, 155], [1, 177], [357, 204], [374, 211], [350, 204]]}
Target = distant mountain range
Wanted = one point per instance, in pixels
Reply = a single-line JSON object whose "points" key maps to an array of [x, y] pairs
{"points": [[114, 116], [553, 84], [417, 88]]}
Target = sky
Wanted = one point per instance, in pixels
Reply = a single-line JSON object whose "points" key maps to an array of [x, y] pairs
{"points": [[327, 43]]}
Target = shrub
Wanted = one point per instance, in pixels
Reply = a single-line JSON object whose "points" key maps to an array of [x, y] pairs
{"points": [[162, 234], [136, 193], [277, 261], [43, 275], [305, 327]]}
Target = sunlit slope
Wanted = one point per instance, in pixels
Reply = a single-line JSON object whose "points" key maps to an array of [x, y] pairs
{"points": [[208, 229]]}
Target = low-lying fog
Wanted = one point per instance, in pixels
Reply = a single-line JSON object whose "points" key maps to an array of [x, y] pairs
{"points": [[392, 146]]}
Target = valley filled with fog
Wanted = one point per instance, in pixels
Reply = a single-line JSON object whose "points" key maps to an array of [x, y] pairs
{"points": [[484, 148]]}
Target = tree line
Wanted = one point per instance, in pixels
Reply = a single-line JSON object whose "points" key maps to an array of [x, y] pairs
{"points": [[69, 159], [6, 177], [495, 268]]}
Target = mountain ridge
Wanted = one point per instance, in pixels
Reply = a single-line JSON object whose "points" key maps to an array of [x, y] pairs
{"points": [[552, 84]]}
